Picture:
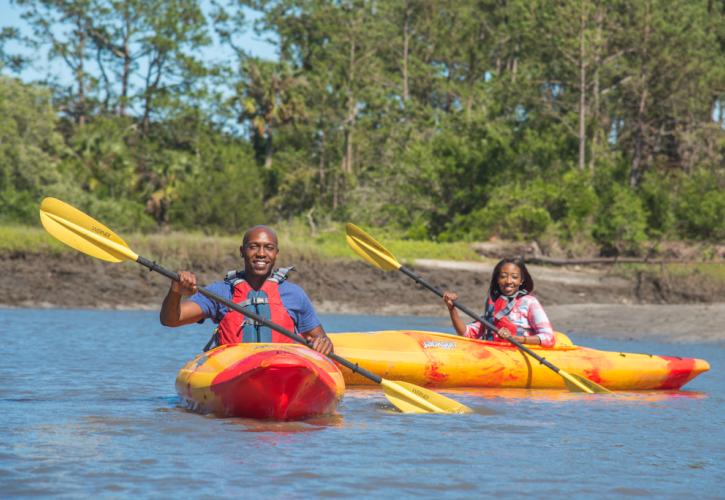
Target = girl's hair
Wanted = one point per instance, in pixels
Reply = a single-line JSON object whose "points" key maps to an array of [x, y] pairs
{"points": [[527, 282]]}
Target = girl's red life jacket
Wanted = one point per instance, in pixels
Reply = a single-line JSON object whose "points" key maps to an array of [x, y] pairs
{"points": [[265, 302], [497, 313]]}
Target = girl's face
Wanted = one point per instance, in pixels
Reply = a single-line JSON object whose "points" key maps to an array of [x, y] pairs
{"points": [[510, 279]]}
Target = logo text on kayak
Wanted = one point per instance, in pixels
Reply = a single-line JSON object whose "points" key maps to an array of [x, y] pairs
{"points": [[438, 344]]}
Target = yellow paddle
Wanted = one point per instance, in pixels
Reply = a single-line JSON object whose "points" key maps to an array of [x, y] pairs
{"points": [[87, 235], [375, 254]]}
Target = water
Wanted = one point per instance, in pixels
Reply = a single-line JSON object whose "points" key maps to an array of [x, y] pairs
{"points": [[89, 409]]}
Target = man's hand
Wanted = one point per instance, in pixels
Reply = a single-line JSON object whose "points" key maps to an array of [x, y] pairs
{"points": [[186, 285], [322, 344], [319, 340]]}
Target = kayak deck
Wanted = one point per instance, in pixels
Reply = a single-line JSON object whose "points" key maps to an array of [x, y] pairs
{"points": [[262, 381], [433, 359]]}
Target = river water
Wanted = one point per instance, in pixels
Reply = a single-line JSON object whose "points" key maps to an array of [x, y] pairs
{"points": [[88, 408]]}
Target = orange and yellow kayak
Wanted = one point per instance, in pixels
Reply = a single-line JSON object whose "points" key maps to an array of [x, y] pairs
{"points": [[264, 381], [434, 359]]}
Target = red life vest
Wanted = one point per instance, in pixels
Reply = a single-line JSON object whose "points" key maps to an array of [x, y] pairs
{"points": [[497, 313], [265, 302]]}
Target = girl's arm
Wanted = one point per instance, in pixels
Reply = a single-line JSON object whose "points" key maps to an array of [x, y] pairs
{"points": [[540, 324], [458, 324]]}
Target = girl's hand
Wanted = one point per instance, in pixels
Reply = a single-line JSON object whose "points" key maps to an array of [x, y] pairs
{"points": [[449, 298], [504, 333]]}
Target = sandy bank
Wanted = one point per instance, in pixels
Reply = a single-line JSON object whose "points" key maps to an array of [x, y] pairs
{"points": [[584, 302]]}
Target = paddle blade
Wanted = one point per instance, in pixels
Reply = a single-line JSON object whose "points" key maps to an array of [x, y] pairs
{"points": [[576, 383], [83, 233], [410, 398], [369, 249]]}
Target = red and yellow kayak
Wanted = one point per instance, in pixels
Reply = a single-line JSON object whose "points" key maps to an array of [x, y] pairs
{"points": [[264, 381], [434, 359]]}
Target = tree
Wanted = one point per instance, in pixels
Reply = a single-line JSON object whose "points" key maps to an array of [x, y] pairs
{"points": [[13, 62], [29, 149], [63, 26], [670, 74], [271, 96]]}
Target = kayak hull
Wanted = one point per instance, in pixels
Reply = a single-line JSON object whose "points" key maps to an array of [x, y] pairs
{"points": [[433, 359], [262, 381]]}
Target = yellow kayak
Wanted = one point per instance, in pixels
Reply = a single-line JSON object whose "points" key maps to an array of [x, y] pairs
{"points": [[434, 359]]}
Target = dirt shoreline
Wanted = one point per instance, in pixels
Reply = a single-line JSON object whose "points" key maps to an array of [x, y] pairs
{"points": [[584, 302]]}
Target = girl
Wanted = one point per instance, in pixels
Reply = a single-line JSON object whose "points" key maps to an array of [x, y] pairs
{"points": [[510, 307]]}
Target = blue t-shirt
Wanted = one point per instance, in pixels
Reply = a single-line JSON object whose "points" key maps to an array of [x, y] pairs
{"points": [[294, 299]]}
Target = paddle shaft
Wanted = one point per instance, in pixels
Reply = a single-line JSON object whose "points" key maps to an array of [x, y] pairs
{"points": [[153, 266], [477, 317]]}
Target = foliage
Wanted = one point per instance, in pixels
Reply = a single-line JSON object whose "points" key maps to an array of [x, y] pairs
{"points": [[223, 195], [582, 121], [700, 207], [30, 148], [24, 239], [620, 224]]}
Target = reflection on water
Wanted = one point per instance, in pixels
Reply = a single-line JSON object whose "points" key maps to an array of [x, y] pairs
{"points": [[310, 425], [89, 409], [619, 397]]}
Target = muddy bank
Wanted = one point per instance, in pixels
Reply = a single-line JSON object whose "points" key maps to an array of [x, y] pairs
{"points": [[579, 301]]}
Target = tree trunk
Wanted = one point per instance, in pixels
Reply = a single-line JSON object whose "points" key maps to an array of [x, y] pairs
{"points": [[347, 162], [321, 164], [126, 75], [406, 42], [124, 82], [595, 108], [80, 73], [582, 95], [635, 173], [157, 66], [268, 148]]}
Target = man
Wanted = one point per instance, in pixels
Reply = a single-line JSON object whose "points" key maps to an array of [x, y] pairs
{"points": [[259, 288]]}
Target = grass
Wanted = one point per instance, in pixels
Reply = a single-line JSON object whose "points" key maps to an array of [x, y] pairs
{"points": [[331, 243], [714, 271], [296, 241], [29, 239]]}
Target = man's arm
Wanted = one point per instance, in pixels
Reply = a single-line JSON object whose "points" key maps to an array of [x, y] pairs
{"points": [[174, 310]]}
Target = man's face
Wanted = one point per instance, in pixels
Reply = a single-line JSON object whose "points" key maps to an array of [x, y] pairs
{"points": [[259, 252]]}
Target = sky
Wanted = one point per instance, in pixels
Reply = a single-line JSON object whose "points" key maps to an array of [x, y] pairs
{"points": [[41, 68]]}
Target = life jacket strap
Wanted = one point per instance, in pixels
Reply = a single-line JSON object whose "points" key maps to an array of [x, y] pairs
{"points": [[495, 317], [254, 301], [213, 341], [249, 321]]}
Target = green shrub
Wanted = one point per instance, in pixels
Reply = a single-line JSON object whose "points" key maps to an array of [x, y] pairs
{"points": [[119, 215], [700, 206], [29, 148], [512, 212], [17, 206], [576, 203], [526, 222], [224, 196], [621, 223], [656, 192], [102, 162]]}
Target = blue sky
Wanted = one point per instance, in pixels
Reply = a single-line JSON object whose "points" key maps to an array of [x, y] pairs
{"points": [[41, 67]]}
